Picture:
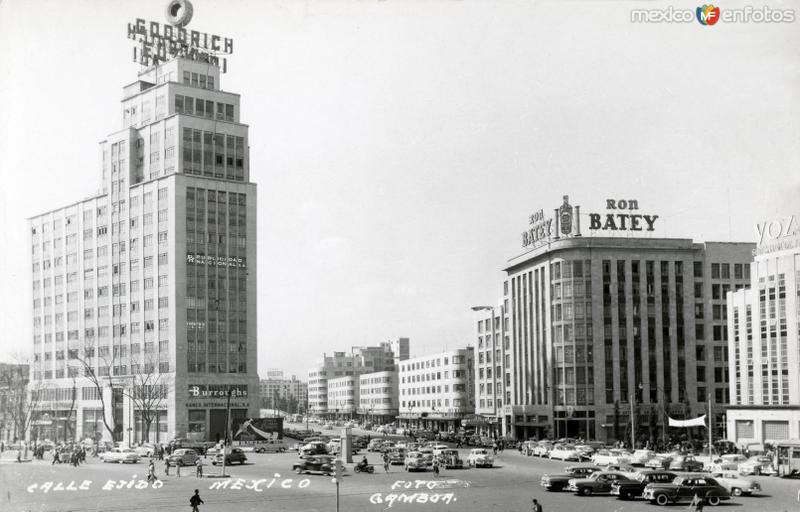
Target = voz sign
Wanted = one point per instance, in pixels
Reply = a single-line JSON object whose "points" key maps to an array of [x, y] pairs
{"points": [[622, 221]]}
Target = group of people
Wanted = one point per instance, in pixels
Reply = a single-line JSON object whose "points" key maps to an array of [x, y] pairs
{"points": [[64, 455]]}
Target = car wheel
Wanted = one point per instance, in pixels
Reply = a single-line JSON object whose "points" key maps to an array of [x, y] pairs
{"points": [[585, 491], [713, 501], [757, 471], [299, 471], [736, 491], [662, 499], [121, 461]]}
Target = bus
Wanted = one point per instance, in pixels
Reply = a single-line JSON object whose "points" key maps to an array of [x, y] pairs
{"points": [[787, 457]]}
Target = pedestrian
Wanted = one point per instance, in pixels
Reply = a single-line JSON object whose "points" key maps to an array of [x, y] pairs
{"points": [[177, 469], [166, 467], [199, 468], [19, 455], [536, 506], [386, 462], [435, 469], [151, 472], [195, 501], [698, 503], [55, 458]]}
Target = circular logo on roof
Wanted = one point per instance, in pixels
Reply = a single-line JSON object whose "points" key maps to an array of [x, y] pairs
{"points": [[179, 12]]}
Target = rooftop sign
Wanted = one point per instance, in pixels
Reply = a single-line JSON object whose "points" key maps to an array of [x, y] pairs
{"points": [[616, 217], [777, 235], [160, 42], [541, 230]]}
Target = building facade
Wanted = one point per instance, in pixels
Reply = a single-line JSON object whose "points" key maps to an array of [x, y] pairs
{"points": [[492, 368], [343, 393], [383, 357], [277, 392], [593, 327], [15, 407], [437, 391], [149, 286], [765, 337], [379, 394]]}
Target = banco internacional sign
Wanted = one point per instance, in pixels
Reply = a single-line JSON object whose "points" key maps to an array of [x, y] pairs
{"points": [[150, 283]]}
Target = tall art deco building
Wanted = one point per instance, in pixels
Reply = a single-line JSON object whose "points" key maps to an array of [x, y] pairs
{"points": [[150, 284]]}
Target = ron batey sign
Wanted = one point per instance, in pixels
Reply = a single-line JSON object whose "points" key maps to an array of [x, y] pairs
{"points": [[613, 221], [217, 390]]}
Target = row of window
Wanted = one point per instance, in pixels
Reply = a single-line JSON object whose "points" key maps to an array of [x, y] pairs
{"points": [[203, 108]]}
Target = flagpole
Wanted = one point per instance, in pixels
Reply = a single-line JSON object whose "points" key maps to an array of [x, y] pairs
{"points": [[710, 426]]}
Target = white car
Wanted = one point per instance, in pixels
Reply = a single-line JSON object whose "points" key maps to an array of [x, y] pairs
{"points": [[640, 457], [480, 457], [437, 448], [615, 457], [543, 448], [120, 455], [563, 452], [757, 465], [145, 450], [728, 462], [735, 484]]}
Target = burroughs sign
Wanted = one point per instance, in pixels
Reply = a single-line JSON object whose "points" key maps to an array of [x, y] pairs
{"points": [[159, 43], [217, 390]]}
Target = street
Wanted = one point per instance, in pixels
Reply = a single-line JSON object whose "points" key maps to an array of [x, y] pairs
{"points": [[268, 479]]}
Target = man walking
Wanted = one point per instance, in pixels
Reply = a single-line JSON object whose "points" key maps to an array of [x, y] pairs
{"points": [[195, 501], [199, 465], [536, 507]]}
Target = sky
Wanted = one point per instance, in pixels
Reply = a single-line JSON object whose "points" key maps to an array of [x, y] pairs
{"points": [[399, 147]]}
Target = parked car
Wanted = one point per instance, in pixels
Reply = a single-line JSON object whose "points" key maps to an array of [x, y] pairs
{"points": [[640, 457], [542, 449], [438, 447], [415, 461], [728, 462], [120, 455], [757, 465], [633, 488], [451, 459], [606, 457], [398, 456], [558, 482], [427, 453], [234, 455], [314, 448], [684, 488], [183, 457], [622, 468], [480, 457], [564, 452], [375, 445], [659, 462], [315, 464], [596, 483], [685, 463], [735, 484], [145, 450]]}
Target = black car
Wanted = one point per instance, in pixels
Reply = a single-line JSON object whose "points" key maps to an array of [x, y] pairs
{"points": [[316, 463], [559, 482], [233, 455], [629, 489]]}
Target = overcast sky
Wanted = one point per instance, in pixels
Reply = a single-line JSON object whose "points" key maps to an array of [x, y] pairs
{"points": [[400, 146]]}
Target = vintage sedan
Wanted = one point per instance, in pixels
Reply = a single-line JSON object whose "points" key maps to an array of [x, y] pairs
{"points": [[640, 457], [415, 461], [398, 456], [757, 465], [233, 455], [542, 449], [685, 463], [629, 489], [315, 464], [183, 457], [480, 457], [451, 459], [120, 455], [728, 462], [145, 450], [597, 483], [735, 484], [375, 445], [558, 482], [685, 488], [564, 452], [606, 457], [659, 462], [314, 448], [427, 453]]}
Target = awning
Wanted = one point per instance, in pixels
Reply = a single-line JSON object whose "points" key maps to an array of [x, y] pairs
{"points": [[694, 422]]}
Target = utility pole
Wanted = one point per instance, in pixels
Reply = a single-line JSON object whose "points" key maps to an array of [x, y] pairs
{"points": [[633, 423], [710, 425], [227, 429]]}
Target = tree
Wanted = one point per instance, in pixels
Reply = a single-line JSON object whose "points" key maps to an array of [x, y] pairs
{"points": [[100, 382], [148, 390]]}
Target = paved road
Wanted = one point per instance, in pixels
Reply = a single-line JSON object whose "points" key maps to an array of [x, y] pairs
{"points": [[267, 483]]}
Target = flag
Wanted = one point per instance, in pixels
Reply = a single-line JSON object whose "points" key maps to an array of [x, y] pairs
{"points": [[694, 422]]}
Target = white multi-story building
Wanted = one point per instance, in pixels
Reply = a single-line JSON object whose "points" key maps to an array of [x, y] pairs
{"points": [[343, 396], [280, 393], [765, 338], [150, 283], [437, 391], [492, 368], [379, 394], [383, 357]]}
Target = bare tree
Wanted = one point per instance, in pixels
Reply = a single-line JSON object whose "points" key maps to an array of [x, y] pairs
{"points": [[22, 397], [100, 381], [148, 390]]}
